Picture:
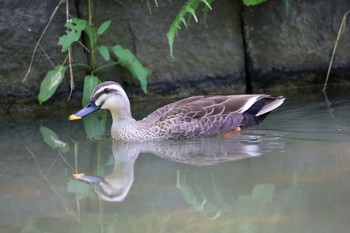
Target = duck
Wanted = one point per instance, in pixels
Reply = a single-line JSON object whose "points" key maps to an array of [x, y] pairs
{"points": [[192, 117]]}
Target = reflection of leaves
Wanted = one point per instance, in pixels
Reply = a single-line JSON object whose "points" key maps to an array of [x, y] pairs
{"points": [[29, 226], [188, 194], [51, 139], [210, 210], [111, 161], [262, 195], [95, 125], [82, 190], [255, 206]]}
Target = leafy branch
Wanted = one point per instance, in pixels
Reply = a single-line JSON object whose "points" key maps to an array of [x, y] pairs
{"points": [[76, 28], [188, 11]]}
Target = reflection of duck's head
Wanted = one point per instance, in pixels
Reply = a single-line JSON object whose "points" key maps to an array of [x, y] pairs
{"points": [[109, 188], [115, 186]]}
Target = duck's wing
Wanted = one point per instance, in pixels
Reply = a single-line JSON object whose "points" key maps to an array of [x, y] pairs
{"points": [[160, 112], [206, 106], [214, 104], [215, 115]]}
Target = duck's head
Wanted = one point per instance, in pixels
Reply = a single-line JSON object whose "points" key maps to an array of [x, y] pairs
{"points": [[107, 95]]}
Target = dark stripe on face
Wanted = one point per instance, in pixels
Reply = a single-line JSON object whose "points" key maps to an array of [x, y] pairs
{"points": [[98, 90]]}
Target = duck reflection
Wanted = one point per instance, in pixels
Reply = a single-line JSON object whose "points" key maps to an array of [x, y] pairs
{"points": [[115, 186]]}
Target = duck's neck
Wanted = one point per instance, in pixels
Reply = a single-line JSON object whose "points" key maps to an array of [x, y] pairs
{"points": [[122, 114], [125, 127]]}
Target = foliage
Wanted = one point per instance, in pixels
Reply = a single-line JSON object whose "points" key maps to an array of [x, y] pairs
{"points": [[252, 2], [51, 139], [82, 190], [129, 61], [90, 82], [76, 29], [188, 11], [50, 83]]}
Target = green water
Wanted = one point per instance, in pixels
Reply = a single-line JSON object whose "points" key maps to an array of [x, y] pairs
{"points": [[290, 174]]}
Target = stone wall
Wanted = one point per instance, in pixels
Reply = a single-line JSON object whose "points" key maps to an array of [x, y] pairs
{"points": [[289, 48], [266, 45]]}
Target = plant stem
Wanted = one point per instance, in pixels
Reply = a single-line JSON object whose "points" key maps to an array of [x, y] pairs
{"points": [[106, 66], [39, 40], [92, 40], [81, 64], [340, 32]]}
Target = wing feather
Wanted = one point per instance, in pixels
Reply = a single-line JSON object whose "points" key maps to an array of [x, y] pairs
{"points": [[205, 115]]}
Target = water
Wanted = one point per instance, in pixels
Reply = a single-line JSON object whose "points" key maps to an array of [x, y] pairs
{"points": [[290, 174]]}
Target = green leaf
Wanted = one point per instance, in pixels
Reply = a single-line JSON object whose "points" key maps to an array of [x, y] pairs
{"points": [[171, 38], [286, 4], [208, 3], [188, 11], [51, 139], [50, 83], [103, 27], [192, 12], [252, 2], [206, 9], [95, 125], [81, 189], [90, 82], [104, 52], [129, 61], [73, 33]]}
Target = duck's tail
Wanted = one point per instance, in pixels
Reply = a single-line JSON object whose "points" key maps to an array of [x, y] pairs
{"points": [[259, 110]]}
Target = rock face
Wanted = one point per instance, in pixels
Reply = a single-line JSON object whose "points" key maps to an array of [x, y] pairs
{"points": [[273, 48], [292, 46], [205, 59], [21, 25]]}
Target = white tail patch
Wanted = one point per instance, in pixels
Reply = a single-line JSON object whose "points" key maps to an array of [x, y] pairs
{"points": [[271, 106], [248, 104]]}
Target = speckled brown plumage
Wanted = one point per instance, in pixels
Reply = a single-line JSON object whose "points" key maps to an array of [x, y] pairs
{"points": [[198, 116]]}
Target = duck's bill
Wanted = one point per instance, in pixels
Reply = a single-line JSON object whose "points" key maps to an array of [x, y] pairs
{"points": [[87, 110], [89, 179]]}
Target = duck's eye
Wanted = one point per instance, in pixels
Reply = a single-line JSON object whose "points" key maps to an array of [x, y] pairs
{"points": [[106, 91]]}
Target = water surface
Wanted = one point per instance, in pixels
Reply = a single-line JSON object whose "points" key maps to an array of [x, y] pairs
{"points": [[290, 174]]}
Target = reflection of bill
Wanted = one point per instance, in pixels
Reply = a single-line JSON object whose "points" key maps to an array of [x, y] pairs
{"points": [[207, 151]]}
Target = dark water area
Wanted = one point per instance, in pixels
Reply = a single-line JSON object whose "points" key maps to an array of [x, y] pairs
{"points": [[289, 174]]}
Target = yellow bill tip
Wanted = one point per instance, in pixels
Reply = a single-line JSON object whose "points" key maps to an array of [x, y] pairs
{"points": [[74, 117], [78, 175]]}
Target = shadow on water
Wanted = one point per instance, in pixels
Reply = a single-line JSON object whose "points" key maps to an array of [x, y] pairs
{"points": [[290, 174]]}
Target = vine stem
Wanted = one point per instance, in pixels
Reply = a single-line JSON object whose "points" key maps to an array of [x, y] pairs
{"points": [[70, 57], [91, 39], [39, 40], [340, 31], [106, 66]]}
